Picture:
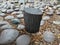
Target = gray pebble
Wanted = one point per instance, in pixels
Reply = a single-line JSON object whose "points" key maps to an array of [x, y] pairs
{"points": [[23, 40], [48, 36], [8, 36], [9, 17]]}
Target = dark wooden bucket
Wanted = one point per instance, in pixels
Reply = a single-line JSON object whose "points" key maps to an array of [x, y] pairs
{"points": [[32, 18]]}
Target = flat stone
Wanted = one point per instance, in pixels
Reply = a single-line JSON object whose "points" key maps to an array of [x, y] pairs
{"points": [[15, 21], [50, 12], [56, 22], [10, 10], [9, 17], [8, 36], [3, 23], [20, 16], [45, 18], [30, 0], [15, 13], [4, 10], [17, 9], [22, 1], [20, 26], [23, 40], [2, 14], [7, 26], [48, 36]]}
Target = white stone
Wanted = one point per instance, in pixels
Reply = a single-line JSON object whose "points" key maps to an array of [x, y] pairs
{"points": [[16, 9], [10, 10], [56, 22], [20, 16], [8, 36], [50, 12], [30, 0], [22, 1], [3, 22], [20, 26], [23, 40], [4, 10], [7, 26], [15, 13], [48, 36], [45, 18], [2, 14], [42, 22], [9, 17]]}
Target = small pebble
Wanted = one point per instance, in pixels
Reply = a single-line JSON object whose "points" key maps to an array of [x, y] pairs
{"points": [[9, 17], [3, 23], [17, 9], [15, 21], [56, 22], [4, 10], [8, 36], [20, 26], [20, 16], [10, 10], [48, 36], [15, 13], [45, 18], [23, 40], [6, 26], [2, 14]]}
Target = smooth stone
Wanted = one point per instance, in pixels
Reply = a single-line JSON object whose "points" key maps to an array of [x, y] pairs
{"points": [[9, 17], [45, 18], [15, 13], [20, 16], [8, 36], [20, 26], [4, 10], [22, 1], [23, 40], [10, 10], [3, 23], [48, 36], [42, 22], [50, 12], [7, 26], [31, 0], [2, 14], [15, 21], [56, 22], [17, 9]]}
